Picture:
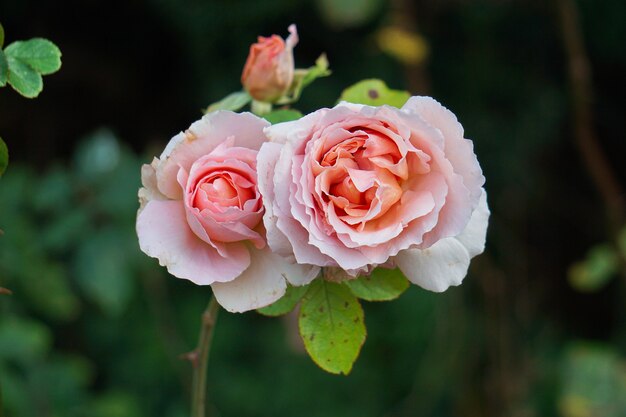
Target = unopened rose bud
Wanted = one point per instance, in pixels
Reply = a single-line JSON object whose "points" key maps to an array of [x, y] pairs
{"points": [[268, 72]]}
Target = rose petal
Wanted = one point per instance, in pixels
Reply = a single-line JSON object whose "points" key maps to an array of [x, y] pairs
{"points": [[164, 234], [201, 138], [261, 284], [475, 233], [458, 150], [149, 191], [437, 268]]}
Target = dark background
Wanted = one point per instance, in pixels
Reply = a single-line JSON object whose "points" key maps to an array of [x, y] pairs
{"points": [[94, 327]]}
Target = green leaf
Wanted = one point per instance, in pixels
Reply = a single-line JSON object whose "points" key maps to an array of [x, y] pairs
{"points": [[381, 285], [331, 325], [374, 93], [282, 115], [40, 54], [4, 69], [303, 77], [4, 157], [286, 303], [1, 36], [24, 79], [233, 101], [595, 272]]}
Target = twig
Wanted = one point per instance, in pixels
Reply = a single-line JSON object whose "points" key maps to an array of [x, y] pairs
{"points": [[199, 358], [582, 95]]}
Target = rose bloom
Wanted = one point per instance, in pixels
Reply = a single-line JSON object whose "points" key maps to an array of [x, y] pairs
{"points": [[355, 187], [268, 72], [201, 213]]}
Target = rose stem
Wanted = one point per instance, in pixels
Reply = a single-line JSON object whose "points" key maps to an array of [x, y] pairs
{"points": [[200, 359]]}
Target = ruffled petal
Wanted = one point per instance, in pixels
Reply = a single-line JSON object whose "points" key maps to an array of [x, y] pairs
{"points": [[475, 233], [258, 286], [442, 265], [201, 138], [164, 234], [458, 150]]}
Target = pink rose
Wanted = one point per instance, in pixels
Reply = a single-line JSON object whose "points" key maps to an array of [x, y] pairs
{"points": [[201, 212], [268, 72], [354, 187]]}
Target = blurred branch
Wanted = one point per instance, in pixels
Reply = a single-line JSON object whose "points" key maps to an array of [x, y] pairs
{"points": [[402, 15], [582, 95], [199, 358]]}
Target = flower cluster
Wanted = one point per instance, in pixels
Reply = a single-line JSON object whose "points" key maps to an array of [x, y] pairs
{"points": [[254, 209], [247, 207]]}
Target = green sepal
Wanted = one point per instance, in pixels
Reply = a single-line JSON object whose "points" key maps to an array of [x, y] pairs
{"points": [[282, 115], [374, 92], [332, 326], [233, 102], [381, 285], [304, 77], [286, 303]]}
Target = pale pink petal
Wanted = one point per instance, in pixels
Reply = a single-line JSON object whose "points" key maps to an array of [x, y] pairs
{"points": [[292, 39], [260, 285], [149, 191], [293, 229], [164, 234], [437, 268], [296, 132], [266, 160], [201, 138], [475, 233], [458, 150]]}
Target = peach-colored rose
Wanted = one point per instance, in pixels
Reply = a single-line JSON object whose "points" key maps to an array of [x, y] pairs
{"points": [[201, 213], [354, 187], [268, 72]]}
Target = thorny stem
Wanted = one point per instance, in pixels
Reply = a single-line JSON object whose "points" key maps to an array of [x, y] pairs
{"points": [[199, 358]]}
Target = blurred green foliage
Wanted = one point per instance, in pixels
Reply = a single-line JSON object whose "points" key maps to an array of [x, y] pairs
{"points": [[94, 327]]}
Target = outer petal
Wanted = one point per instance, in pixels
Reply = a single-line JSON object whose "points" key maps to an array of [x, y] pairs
{"points": [[259, 285], [442, 265], [149, 191], [266, 161], [458, 150], [175, 246], [201, 138], [475, 233], [295, 131]]}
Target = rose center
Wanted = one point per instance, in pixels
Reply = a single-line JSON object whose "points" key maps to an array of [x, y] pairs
{"points": [[223, 191]]}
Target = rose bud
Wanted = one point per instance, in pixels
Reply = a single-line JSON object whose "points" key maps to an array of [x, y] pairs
{"points": [[268, 72]]}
